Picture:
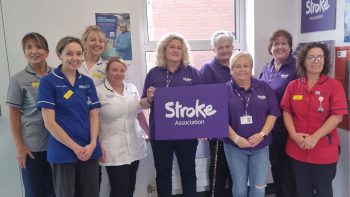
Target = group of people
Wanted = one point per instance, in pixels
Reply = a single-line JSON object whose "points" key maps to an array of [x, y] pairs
{"points": [[69, 120], [84, 114]]}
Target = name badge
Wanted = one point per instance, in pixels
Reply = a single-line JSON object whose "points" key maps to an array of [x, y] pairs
{"points": [[97, 75], [68, 94], [35, 84], [298, 97], [246, 119], [284, 76]]}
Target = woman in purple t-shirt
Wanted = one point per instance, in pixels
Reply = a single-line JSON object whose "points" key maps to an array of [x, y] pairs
{"points": [[172, 69]]}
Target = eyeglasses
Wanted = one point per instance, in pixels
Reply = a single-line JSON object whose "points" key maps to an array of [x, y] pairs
{"points": [[312, 58]]}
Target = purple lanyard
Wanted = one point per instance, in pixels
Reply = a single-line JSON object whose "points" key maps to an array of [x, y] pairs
{"points": [[168, 78], [247, 103], [275, 73]]}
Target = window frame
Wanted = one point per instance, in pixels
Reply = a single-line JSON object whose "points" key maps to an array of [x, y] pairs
{"points": [[198, 45]]}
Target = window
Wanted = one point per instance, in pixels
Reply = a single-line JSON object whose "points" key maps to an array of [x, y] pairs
{"points": [[196, 20]]}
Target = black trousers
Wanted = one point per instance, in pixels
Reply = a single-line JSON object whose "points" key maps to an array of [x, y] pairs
{"points": [[283, 177], [222, 171], [185, 151], [122, 179], [314, 179]]}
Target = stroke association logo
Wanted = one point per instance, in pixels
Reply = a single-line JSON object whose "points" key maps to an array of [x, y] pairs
{"points": [[200, 112], [316, 8]]}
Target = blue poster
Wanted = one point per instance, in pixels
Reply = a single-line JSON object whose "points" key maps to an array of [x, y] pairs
{"points": [[347, 21], [116, 27], [318, 15], [191, 112], [108, 24]]}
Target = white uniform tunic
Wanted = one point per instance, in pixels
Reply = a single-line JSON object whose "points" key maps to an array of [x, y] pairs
{"points": [[119, 136], [97, 72]]}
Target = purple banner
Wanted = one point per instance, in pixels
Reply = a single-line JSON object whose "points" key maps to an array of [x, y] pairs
{"points": [[318, 15], [190, 112]]}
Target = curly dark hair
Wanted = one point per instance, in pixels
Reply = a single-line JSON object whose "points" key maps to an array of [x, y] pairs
{"points": [[301, 57]]}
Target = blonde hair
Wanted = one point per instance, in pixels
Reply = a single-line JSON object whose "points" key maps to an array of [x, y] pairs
{"points": [[163, 43], [239, 54], [93, 29]]}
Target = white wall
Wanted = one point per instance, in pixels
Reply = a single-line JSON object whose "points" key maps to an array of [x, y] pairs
{"points": [[266, 17], [10, 184]]}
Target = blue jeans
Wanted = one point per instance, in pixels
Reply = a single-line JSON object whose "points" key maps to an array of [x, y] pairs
{"points": [[247, 165], [37, 177]]}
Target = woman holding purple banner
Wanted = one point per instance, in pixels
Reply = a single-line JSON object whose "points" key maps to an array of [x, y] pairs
{"points": [[172, 69], [253, 109]]}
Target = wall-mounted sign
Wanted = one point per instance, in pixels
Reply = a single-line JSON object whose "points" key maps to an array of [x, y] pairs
{"points": [[318, 15]]}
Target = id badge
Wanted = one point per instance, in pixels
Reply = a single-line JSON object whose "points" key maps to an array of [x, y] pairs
{"points": [[246, 119]]}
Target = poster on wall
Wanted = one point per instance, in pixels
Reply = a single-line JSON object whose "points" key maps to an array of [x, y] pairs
{"points": [[116, 27], [330, 44], [347, 21], [318, 15], [342, 74]]}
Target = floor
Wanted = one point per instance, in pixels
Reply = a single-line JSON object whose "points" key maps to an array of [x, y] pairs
{"points": [[269, 192]]}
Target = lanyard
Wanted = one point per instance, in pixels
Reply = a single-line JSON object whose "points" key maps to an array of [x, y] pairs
{"points": [[169, 76], [275, 73], [247, 103]]}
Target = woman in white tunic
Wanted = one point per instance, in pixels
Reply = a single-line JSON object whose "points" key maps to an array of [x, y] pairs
{"points": [[94, 42], [122, 142]]}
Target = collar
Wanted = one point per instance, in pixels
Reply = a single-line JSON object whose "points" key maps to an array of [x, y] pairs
{"points": [[290, 61], [254, 85], [29, 69], [59, 74], [100, 61], [216, 63], [180, 67], [109, 87], [323, 78]]}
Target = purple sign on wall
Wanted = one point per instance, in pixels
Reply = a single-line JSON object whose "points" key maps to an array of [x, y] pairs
{"points": [[318, 15], [190, 112]]}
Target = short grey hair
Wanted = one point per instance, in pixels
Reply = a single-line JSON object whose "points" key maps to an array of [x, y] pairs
{"points": [[221, 34]]}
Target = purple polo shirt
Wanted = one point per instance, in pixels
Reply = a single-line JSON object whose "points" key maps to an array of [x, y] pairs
{"points": [[262, 102], [279, 81], [161, 77], [214, 72]]}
